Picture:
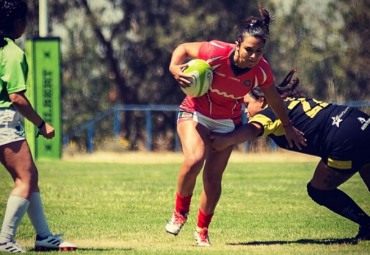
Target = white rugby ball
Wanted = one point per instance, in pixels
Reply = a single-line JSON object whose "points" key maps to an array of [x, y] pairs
{"points": [[202, 77]]}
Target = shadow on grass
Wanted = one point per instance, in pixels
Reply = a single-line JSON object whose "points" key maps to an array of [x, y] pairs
{"points": [[93, 249], [301, 241]]}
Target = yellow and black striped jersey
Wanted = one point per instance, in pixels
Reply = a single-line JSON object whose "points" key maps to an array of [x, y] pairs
{"points": [[332, 131]]}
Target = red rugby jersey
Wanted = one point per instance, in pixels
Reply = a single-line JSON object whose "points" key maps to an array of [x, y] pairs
{"points": [[225, 96]]}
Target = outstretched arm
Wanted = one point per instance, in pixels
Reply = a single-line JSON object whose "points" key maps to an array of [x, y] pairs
{"points": [[276, 103], [246, 132]]}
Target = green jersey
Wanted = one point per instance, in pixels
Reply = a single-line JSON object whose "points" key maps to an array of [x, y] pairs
{"points": [[13, 72]]}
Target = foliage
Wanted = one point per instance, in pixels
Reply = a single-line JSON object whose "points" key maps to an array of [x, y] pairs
{"points": [[117, 52], [356, 34]]}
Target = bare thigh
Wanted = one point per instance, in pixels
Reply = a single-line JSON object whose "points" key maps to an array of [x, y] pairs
{"points": [[325, 178], [192, 136], [17, 159]]}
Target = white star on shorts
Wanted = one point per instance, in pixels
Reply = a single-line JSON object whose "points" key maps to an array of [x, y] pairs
{"points": [[336, 121]]}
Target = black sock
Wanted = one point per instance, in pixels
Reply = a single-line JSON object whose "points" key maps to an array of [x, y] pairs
{"points": [[340, 203]]}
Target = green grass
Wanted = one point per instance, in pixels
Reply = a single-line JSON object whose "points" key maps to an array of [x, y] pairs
{"points": [[113, 208]]}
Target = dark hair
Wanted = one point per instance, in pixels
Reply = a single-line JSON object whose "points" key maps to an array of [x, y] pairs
{"points": [[10, 11], [253, 26], [287, 88]]}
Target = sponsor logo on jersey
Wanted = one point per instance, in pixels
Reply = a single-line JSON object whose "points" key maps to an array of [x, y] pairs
{"points": [[338, 119], [234, 79], [361, 120], [247, 83], [364, 122]]}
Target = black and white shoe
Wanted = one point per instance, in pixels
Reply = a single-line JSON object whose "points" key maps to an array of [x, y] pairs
{"points": [[11, 246], [53, 242]]}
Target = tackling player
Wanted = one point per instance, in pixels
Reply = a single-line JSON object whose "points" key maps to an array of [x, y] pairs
{"points": [[338, 134]]}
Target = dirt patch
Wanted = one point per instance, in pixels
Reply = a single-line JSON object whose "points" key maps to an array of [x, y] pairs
{"points": [[173, 157]]}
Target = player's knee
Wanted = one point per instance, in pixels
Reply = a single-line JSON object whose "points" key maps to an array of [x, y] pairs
{"points": [[191, 168], [322, 197], [194, 161]]}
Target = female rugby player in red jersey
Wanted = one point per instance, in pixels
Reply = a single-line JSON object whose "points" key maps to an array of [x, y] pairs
{"points": [[338, 134], [238, 68]]}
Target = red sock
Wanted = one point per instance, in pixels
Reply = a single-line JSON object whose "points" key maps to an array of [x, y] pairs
{"points": [[182, 203], [204, 219]]}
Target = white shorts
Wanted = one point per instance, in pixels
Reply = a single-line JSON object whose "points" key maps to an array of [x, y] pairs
{"points": [[213, 125], [11, 126]]}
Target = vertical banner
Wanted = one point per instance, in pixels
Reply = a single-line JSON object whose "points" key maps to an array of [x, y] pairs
{"points": [[43, 91]]}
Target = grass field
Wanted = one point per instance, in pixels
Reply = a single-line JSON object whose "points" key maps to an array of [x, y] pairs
{"points": [[121, 208]]}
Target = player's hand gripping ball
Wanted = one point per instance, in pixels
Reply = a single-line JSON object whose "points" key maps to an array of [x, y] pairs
{"points": [[202, 77]]}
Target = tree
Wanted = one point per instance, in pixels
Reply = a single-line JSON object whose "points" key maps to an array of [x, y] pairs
{"points": [[132, 50], [117, 52], [356, 56]]}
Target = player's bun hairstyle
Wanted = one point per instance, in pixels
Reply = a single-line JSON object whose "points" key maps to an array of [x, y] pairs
{"points": [[287, 88], [253, 26], [10, 11]]}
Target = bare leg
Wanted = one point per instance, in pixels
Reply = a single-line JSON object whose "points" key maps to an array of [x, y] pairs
{"points": [[193, 137], [216, 163], [17, 159], [326, 178], [212, 177]]}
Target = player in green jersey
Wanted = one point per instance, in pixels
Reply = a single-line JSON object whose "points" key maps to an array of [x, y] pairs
{"points": [[15, 153]]}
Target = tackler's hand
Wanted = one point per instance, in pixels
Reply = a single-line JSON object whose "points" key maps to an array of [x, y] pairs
{"points": [[295, 136], [219, 142]]}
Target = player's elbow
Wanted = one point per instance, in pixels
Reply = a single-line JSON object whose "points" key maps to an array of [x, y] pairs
{"points": [[17, 98]]}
